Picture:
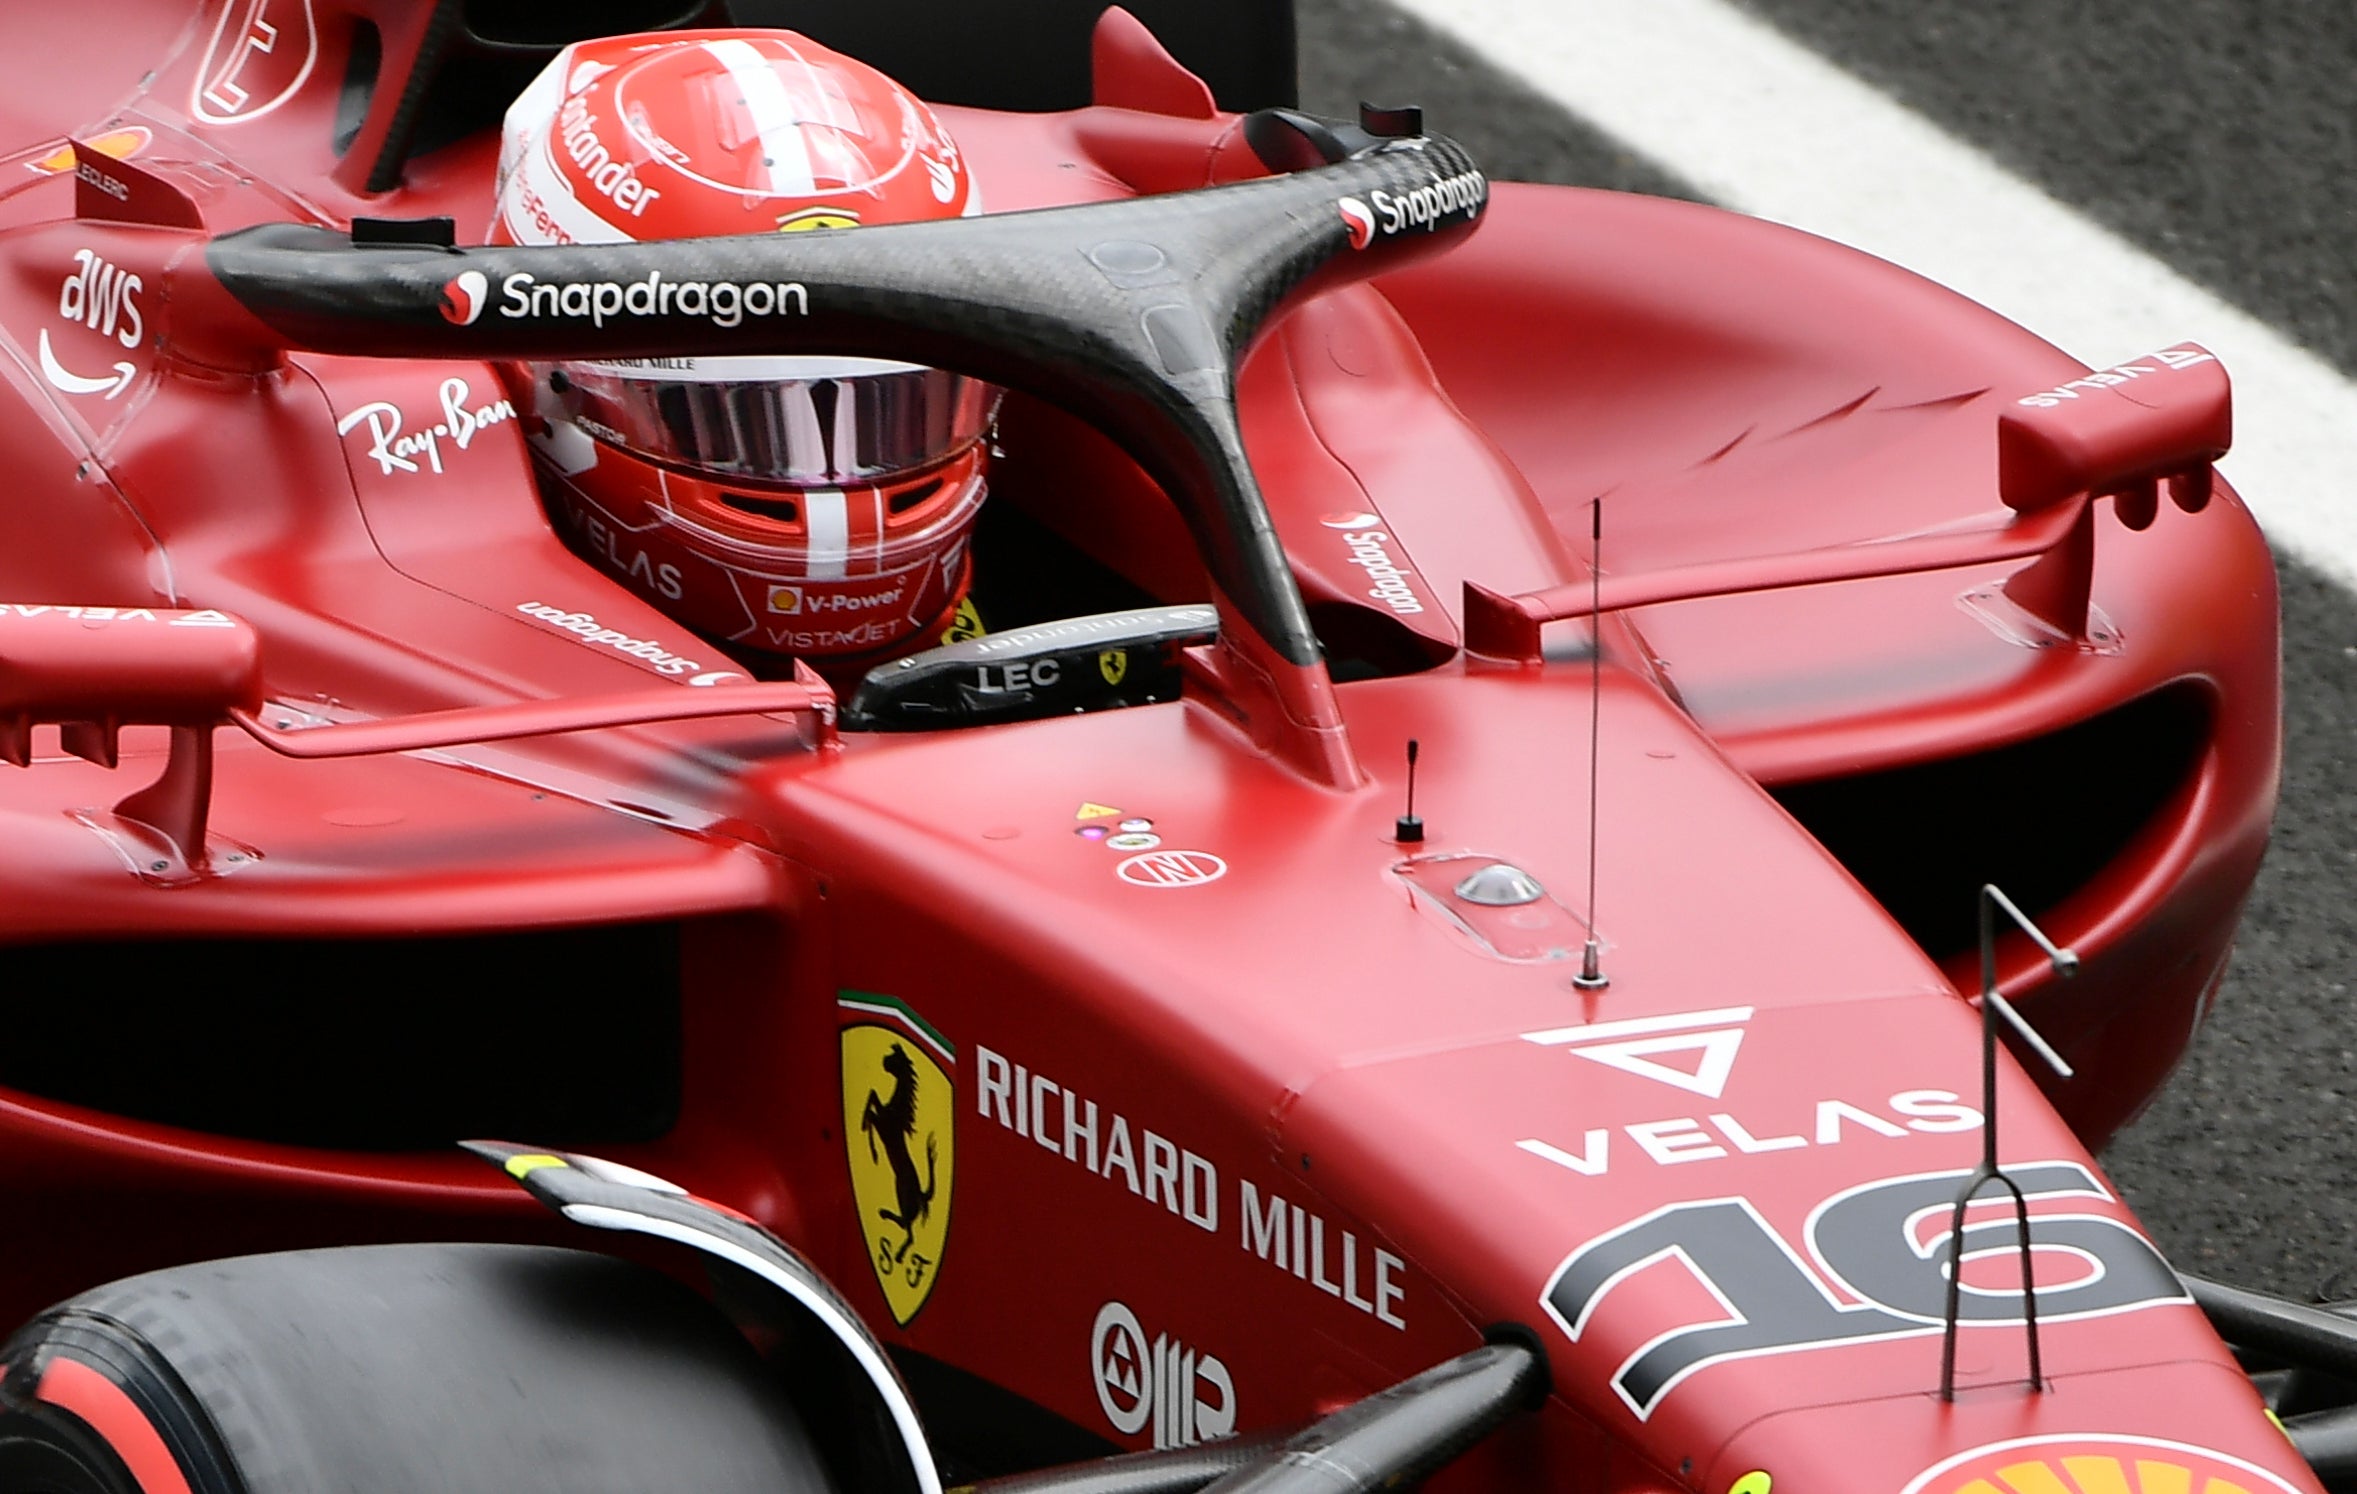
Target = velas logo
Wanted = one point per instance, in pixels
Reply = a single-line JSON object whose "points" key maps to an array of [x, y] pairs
{"points": [[1358, 220], [2068, 1463], [1350, 521], [463, 297], [1635, 1045]]}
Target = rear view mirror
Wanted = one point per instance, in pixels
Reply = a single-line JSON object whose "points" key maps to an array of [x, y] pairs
{"points": [[91, 671], [94, 670]]}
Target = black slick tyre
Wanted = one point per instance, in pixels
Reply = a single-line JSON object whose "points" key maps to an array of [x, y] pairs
{"points": [[395, 1369]]}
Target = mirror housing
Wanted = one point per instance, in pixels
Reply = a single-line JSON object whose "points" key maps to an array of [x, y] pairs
{"points": [[1056, 668], [93, 670]]}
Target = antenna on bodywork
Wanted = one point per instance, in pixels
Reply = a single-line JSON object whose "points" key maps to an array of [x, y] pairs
{"points": [[1592, 976], [1993, 1006], [1407, 829]]}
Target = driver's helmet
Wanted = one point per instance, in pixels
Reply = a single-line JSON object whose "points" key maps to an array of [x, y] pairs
{"points": [[817, 507]]}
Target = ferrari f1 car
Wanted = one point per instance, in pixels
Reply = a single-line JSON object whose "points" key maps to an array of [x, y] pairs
{"points": [[1465, 936]]}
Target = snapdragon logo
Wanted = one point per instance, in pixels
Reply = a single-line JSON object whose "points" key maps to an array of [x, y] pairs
{"points": [[462, 298], [590, 631], [1357, 220], [1466, 193], [1390, 583], [523, 296]]}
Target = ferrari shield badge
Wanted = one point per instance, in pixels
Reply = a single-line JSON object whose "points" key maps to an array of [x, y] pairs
{"points": [[899, 1098]]}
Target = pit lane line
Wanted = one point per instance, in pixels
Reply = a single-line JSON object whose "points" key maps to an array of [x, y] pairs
{"points": [[1763, 125]]}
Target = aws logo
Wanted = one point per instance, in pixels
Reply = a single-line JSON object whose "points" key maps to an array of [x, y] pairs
{"points": [[2070, 1463], [899, 1104]]}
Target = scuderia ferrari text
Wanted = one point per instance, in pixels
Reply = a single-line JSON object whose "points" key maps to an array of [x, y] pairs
{"points": [[1293, 1239]]}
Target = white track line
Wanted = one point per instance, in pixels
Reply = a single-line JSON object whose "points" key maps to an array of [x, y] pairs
{"points": [[1768, 127]]}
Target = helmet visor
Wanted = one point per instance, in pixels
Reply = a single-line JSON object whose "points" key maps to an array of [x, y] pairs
{"points": [[795, 421]]}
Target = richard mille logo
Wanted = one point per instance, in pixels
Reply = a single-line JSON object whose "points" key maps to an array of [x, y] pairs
{"points": [[1186, 1394]]}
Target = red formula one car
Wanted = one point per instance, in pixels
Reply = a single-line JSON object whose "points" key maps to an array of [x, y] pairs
{"points": [[1447, 938]]}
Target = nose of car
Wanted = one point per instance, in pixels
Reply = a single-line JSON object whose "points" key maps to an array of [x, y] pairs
{"points": [[1731, 1226], [2192, 1427]]}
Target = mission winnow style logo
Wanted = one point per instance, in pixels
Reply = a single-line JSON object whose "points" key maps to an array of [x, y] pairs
{"points": [[899, 1108]]}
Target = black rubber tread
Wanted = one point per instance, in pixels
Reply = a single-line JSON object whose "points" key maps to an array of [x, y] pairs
{"points": [[133, 1365], [404, 1368]]}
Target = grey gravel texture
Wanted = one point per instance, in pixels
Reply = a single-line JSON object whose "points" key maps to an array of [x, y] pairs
{"points": [[2218, 135], [1355, 51]]}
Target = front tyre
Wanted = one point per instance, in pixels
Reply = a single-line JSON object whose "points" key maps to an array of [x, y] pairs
{"points": [[395, 1369]]}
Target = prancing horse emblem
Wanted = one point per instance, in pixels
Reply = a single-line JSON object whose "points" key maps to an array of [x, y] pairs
{"points": [[898, 1104], [892, 1124]]}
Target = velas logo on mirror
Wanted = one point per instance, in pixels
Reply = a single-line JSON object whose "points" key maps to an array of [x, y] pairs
{"points": [[463, 298], [1358, 220]]}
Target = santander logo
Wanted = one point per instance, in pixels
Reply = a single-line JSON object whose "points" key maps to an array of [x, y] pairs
{"points": [[1357, 219], [464, 296], [1349, 521]]}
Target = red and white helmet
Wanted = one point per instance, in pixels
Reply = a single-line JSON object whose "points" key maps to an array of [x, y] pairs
{"points": [[818, 507]]}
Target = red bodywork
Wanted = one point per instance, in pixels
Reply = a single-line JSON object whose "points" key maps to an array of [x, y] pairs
{"points": [[1296, 1119]]}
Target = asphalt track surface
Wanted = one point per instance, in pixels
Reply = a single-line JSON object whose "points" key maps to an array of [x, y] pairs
{"points": [[2219, 136]]}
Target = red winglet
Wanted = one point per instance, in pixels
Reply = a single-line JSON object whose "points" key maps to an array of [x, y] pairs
{"points": [[2119, 430], [110, 189], [1131, 70], [92, 669]]}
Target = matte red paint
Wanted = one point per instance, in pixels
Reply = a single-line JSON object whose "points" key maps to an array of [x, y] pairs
{"points": [[1299, 1037]]}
